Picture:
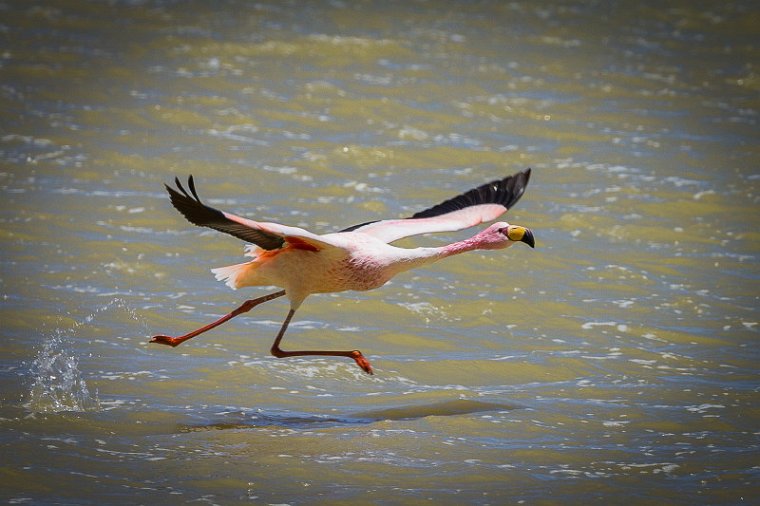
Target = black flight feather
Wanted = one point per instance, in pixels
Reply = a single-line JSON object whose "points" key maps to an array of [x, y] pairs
{"points": [[202, 215], [505, 191]]}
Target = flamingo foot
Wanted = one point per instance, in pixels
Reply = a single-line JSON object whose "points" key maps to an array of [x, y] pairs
{"points": [[167, 340], [362, 362]]}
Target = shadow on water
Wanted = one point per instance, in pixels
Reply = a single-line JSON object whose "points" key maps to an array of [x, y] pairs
{"points": [[247, 420]]}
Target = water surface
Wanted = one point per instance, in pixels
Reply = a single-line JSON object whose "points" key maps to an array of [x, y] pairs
{"points": [[615, 362]]}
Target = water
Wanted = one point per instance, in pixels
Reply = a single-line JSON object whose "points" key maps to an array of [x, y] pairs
{"points": [[615, 362], [57, 382]]}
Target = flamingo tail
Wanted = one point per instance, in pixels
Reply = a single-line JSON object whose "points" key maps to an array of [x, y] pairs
{"points": [[233, 275]]}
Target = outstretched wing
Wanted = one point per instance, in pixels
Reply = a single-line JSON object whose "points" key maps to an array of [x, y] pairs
{"points": [[481, 204], [268, 236]]}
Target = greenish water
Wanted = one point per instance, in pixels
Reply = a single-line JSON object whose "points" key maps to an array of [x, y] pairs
{"points": [[615, 362]]}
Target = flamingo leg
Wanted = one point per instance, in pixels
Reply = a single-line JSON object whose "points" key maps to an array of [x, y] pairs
{"points": [[244, 308], [361, 361]]}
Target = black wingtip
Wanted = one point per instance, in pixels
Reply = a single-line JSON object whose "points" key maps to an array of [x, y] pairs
{"points": [[198, 213], [191, 184], [191, 207], [505, 191], [518, 183], [181, 188]]}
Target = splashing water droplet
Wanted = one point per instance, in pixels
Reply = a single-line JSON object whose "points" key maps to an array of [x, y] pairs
{"points": [[57, 383]]}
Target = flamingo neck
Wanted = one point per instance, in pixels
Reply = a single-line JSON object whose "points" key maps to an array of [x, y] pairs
{"points": [[458, 247], [421, 256]]}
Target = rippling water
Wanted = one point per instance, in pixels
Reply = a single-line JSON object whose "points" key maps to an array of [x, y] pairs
{"points": [[615, 362]]}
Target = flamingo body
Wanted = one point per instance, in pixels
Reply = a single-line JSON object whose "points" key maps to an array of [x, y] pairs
{"points": [[357, 258], [345, 261]]}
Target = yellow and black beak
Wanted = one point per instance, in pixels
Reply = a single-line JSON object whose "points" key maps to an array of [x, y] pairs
{"points": [[521, 234]]}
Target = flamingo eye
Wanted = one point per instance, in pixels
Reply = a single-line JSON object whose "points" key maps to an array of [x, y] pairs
{"points": [[504, 231]]}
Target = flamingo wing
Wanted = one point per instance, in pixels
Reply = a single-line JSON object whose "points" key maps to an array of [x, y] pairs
{"points": [[268, 236], [484, 203]]}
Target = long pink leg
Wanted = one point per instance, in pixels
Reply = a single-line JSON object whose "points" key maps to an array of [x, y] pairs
{"points": [[244, 308], [361, 361]]}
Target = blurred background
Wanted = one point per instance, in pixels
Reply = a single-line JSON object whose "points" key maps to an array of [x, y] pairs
{"points": [[615, 362]]}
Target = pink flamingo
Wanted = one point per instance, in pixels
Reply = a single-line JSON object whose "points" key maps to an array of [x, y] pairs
{"points": [[357, 258]]}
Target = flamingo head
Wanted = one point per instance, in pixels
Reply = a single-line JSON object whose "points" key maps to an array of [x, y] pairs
{"points": [[503, 235]]}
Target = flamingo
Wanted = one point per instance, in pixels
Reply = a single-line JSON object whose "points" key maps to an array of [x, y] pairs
{"points": [[360, 257]]}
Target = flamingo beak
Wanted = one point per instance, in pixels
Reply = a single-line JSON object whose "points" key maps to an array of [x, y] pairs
{"points": [[521, 234]]}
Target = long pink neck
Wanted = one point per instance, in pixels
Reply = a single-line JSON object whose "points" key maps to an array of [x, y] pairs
{"points": [[420, 256], [458, 247]]}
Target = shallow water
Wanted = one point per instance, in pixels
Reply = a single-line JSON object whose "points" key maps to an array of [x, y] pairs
{"points": [[615, 362]]}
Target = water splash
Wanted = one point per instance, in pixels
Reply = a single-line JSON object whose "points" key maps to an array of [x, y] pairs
{"points": [[57, 382]]}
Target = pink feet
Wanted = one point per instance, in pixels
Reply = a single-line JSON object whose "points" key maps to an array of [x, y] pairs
{"points": [[170, 341], [362, 362]]}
